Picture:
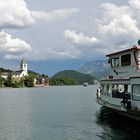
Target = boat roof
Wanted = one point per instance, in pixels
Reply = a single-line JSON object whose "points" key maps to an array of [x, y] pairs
{"points": [[124, 51], [115, 81]]}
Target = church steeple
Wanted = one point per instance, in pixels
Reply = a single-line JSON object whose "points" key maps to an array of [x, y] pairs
{"points": [[23, 65]]}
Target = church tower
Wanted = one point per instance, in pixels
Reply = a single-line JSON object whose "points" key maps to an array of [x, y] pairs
{"points": [[23, 66]]}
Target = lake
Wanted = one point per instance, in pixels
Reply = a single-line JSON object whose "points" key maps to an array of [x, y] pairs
{"points": [[60, 113]]}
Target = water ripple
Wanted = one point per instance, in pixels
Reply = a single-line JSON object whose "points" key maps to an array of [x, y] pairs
{"points": [[117, 127]]}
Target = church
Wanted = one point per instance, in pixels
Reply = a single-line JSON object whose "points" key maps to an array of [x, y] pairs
{"points": [[20, 73], [23, 70]]}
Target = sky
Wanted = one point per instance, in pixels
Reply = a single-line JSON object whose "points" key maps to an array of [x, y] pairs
{"points": [[55, 35]]}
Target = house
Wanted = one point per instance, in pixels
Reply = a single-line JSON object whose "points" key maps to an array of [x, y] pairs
{"points": [[4, 75]]}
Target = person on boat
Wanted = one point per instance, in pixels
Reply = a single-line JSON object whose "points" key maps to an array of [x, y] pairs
{"points": [[98, 92]]}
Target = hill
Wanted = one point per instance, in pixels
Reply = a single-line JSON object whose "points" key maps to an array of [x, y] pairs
{"points": [[98, 69], [30, 72], [5, 70], [80, 78]]}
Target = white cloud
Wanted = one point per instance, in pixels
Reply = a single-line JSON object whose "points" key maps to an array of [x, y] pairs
{"points": [[54, 53], [57, 14], [123, 26], [15, 14], [11, 56], [118, 25], [13, 46], [135, 4], [79, 38], [63, 54]]}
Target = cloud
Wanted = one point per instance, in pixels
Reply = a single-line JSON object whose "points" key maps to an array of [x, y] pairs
{"points": [[79, 38], [63, 53], [55, 53], [12, 46], [11, 57], [57, 14], [15, 14], [118, 25], [135, 4]]}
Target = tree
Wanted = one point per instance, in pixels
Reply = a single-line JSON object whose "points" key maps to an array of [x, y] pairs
{"points": [[15, 84], [1, 80], [62, 81], [21, 82], [8, 81], [29, 81]]}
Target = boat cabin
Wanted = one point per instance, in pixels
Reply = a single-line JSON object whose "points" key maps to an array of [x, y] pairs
{"points": [[125, 64], [124, 79]]}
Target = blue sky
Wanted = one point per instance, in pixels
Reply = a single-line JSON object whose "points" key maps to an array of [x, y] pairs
{"points": [[55, 35]]}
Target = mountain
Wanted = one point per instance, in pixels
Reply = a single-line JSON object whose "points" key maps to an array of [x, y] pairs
{"points": [[80, 78], [98, 69]]}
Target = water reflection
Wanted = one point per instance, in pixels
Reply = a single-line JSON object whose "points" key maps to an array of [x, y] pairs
{"points": [[117, 127]]}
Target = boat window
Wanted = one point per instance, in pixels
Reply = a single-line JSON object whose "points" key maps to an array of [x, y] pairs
{"points": [[126, 60], [115, 88], [118, 90], [124, 88], [115, 62], [110, 89], [121, 88], [129, 88], [136, 92], [106, 90]]}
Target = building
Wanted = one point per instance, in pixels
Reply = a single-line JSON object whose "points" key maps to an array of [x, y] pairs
{"points": [[23, 70], [20, 73]]}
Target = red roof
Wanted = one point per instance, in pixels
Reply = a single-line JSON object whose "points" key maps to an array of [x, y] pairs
{"points": [[123, 51]]}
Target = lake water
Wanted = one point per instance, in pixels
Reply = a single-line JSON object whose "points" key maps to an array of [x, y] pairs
{"points": [[60, 113]]}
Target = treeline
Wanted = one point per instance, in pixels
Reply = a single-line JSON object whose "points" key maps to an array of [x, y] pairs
{"points": [[62, 81], [27, 81], [66, 77]]}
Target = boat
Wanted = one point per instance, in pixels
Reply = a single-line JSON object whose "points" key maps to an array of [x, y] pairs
{"points": [[120, 90], [85, 84]]}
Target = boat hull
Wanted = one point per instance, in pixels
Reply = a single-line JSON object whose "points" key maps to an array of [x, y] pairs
{"points": [[132, 114]]}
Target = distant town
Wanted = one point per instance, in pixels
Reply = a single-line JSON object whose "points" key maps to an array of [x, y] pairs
{"points": [[22, 77], [27, 78]]}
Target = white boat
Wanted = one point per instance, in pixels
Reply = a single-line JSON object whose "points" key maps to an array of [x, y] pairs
{"points": [[85, 84], [120, 91]]}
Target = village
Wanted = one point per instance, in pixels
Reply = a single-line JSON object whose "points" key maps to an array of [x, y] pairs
{"points": [[23, 78]]}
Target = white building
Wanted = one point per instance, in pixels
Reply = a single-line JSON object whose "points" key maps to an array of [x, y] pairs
{"points": [[18, 74], [23, 68]]}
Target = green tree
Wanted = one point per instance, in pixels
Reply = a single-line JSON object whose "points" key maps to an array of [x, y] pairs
{"points": [[8, 81], [15, 84], [1, 79], [21, 82], [62, 81], [29, 81]]}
